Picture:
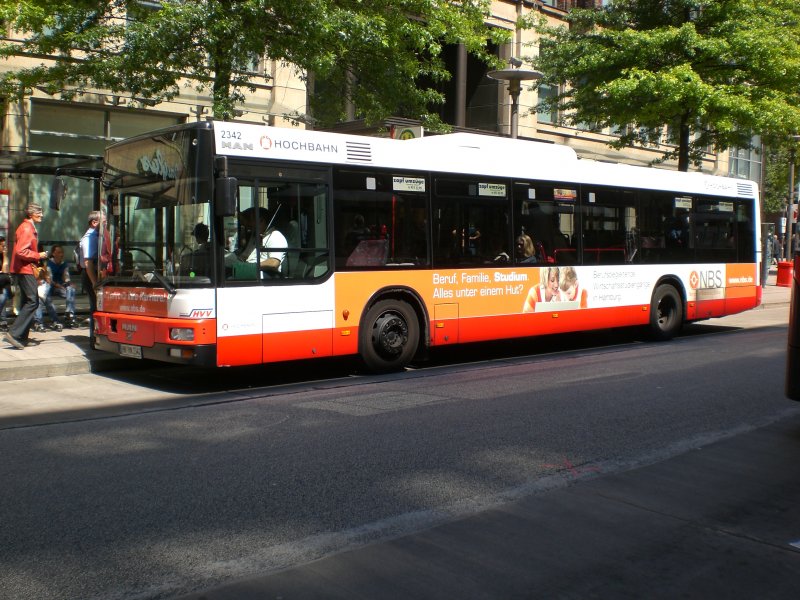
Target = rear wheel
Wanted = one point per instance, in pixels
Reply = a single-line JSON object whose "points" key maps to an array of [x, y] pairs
{"points": [[389, 336], [666, 313]]}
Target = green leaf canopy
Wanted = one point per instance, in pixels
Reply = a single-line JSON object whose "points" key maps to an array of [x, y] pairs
{"points": [[375, 52], [714, 72]]}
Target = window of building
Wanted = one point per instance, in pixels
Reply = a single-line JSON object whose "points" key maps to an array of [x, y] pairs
{"points": [[59, 128], [482, 98], [546, 115], [745, 163]]}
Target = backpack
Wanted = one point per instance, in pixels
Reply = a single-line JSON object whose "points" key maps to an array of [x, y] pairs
{"points": [[76, 256]]}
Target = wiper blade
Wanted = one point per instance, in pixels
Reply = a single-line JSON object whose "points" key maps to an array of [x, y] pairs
{"points": [[164, 282]]}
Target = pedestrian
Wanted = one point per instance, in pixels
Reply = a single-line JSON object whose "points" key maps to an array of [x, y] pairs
{"points": [[777, 249], [26, 254], [5, 283], [57, 283], [88, 256], [43, 281]]}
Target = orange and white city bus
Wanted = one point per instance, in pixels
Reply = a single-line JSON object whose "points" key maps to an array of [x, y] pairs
{"points": [[236, 244]]}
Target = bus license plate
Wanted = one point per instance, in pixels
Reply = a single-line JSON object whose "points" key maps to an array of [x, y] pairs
{"points": [[130, 351]]}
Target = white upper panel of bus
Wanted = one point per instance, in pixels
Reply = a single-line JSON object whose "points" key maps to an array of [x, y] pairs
{"points": [[465, 153]]}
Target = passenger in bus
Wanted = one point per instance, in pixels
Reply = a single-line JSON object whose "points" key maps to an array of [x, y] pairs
{"points": [[201, 256], [473, 239], [258, 223], [546, 291], [525, 251], [570, 289], [677, 229], [357, 233], [200, 234]]}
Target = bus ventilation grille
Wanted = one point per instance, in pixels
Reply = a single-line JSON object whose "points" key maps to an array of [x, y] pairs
{"points": [[745, 189], [359, 152]]}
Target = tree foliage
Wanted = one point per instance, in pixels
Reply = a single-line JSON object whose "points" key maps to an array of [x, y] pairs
{"points": [[713, 71], [777, 161], [375, 51]]}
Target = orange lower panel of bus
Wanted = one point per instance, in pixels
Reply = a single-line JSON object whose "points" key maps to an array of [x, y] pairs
{"points": [[274, 347], [547, 323]]}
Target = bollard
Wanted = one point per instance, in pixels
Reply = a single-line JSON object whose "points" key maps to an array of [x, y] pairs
{"points": [[793, 347], [784, 274]]}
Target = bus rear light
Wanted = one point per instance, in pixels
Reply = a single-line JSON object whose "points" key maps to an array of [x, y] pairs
{"points": [[181, 334]]}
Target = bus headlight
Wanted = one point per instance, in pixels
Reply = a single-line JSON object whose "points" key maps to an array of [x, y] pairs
{"points": [[181, 334]]}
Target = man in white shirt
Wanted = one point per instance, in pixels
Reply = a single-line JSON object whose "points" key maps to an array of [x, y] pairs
{"points": [[257, 222]]}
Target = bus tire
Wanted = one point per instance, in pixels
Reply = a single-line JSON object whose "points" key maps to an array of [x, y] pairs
{"points": [[389, 336], [666, 313]]}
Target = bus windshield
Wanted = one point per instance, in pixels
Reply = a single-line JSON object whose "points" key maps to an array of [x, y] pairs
{"points": [[158, 226]]}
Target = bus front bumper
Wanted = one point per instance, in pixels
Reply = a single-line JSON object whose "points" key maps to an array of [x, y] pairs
{"points": [[199, 355]]}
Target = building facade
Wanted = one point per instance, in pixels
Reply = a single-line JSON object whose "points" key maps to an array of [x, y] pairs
{"points": [[42, 132]]}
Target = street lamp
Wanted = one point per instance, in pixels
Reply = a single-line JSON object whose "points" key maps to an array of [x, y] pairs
{"points": [[514, 76]]}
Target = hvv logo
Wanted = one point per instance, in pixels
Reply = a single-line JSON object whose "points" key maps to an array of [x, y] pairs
{"points": [[199, 313]]}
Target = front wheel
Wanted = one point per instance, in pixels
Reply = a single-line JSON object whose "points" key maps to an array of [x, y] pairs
{"points": [[666, 313], [389, 336]]}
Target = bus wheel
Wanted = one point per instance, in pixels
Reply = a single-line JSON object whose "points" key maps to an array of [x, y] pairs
{"points": [[666, 313], [389, 336]]}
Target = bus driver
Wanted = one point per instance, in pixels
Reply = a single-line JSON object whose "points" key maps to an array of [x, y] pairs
{"points": [[256, 220]]}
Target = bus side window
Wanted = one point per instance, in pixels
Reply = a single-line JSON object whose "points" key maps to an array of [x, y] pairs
{"points": [[745, 232], [715, 230], [379, 220], [665, 228], [305, 230], [610, 228], [472, 224], [545, 212], [295, 209]]}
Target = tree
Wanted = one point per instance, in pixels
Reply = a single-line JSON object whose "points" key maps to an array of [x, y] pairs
{"points": [[382, 48], [714, 72], [777, 161]]}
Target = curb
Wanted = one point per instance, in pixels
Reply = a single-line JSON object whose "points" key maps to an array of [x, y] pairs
{"points": [[68, 365]]}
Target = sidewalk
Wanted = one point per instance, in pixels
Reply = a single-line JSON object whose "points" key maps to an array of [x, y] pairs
{"points": [[68, 352], [64, 352]]}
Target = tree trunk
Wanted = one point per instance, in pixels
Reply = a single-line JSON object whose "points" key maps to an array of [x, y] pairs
{"points": [[223, 107], [684, 136]]}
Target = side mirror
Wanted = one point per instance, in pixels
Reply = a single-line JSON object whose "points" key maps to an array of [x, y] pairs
{"points": [[225, 190], [57, 193]]}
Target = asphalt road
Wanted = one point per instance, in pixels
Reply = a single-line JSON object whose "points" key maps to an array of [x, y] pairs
{"points": [[168, 492]]}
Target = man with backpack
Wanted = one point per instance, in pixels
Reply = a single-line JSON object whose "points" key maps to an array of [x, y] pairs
{"points": [[88, 260]]}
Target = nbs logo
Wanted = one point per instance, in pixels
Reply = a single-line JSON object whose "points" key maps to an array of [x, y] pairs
{"points": [[706, 279]]}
